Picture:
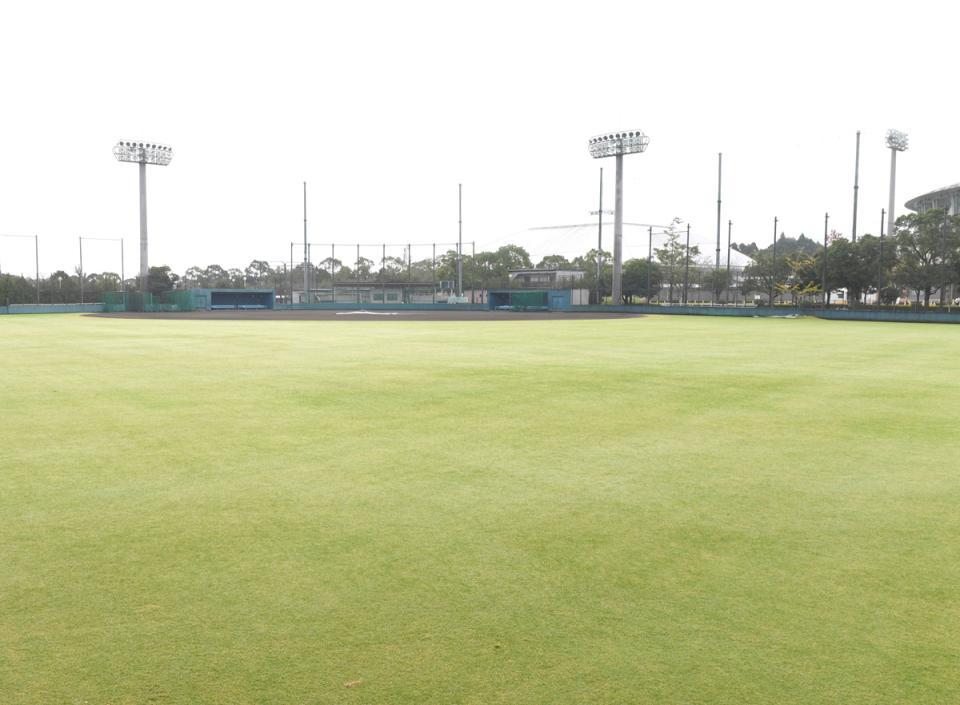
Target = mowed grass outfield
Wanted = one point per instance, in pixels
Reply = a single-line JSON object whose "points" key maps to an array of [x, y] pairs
{"points": [[651, 510]]}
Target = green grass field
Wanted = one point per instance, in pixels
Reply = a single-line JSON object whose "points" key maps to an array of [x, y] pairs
{"points": [[654, 510]]}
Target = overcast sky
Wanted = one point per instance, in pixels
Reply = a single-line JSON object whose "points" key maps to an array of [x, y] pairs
{"points": [[383, 108]]}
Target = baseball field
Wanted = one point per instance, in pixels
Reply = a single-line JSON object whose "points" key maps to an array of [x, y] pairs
{"points": [[638, 510]]}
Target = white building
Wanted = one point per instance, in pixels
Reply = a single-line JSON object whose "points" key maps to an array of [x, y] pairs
{"points": [[947, 198]]}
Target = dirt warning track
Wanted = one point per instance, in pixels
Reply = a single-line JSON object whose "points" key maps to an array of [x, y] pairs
{"points": [[364, 315]]}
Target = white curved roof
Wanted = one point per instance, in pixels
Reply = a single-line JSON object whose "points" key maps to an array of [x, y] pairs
{"points": [[940, 193]]}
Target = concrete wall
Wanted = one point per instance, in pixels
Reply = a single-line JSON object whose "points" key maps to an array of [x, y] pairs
{"points": [[781, 312], [51, 308]]}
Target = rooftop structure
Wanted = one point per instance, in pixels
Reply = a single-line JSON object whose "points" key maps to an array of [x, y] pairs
{"points": [[946, 198]]}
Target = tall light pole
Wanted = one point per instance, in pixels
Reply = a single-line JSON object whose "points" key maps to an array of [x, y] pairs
{"points": [[616, 145], [897, 142], [143, 153]]}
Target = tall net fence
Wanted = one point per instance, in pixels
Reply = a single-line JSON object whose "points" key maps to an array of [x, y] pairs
{"points": [[378, 274], [145, 302]]}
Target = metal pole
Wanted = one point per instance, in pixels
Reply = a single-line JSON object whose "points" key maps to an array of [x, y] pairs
{"points": [[123, 283], [81, 270], [719, 181], [856, 187], [891, 220], [460, 240], [880, 264], [433, 271], [383, 272], [600, 242], [616, 294], [686, 265], [357, 273], [773, 271], [473, 257], [36, 264], [306, 256], [144, 266], [333, 273], [727, 282], [826, 293], [649, 259]]}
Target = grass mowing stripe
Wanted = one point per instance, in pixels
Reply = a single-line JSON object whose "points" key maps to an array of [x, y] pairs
{"points": [[652, 510]]}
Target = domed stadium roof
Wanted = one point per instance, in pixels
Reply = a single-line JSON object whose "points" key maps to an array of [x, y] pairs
{"points": [[946, 198]]}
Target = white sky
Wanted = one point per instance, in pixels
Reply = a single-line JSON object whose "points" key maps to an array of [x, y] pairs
{"points": [[384, 107]]}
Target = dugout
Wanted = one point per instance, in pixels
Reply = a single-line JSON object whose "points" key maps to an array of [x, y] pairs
{"points": [[535, 299], [241, 299]]}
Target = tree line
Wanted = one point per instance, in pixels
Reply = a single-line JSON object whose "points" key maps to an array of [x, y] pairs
{"points": [[922, 257]]}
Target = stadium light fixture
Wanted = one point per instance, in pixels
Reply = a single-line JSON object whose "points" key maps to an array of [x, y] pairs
{"points": [[616, 144], [897, 141], [143, 153]]}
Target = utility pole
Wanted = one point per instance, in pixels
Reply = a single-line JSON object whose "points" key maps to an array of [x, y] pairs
{"points": [[459, 240], [729, 230], [81, 270], [600, 242], [826, 293], [773, 270], [883, 214], [856, 187], [649, 259], [686, 266], [306, 254], [719, 181]]}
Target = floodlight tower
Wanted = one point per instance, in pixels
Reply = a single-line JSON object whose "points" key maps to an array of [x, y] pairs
{"points": [[897, 142], [143, 153], [616, 145]]}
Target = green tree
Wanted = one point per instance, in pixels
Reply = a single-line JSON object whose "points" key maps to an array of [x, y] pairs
{"points": [[160, 279], [765, 275], [673, 256], [635, 279], [926, 245], [554, 262], [256, 272]]}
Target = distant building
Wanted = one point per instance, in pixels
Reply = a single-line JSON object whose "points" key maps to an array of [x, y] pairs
{"points": [[546, 278], [947, 198]]}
